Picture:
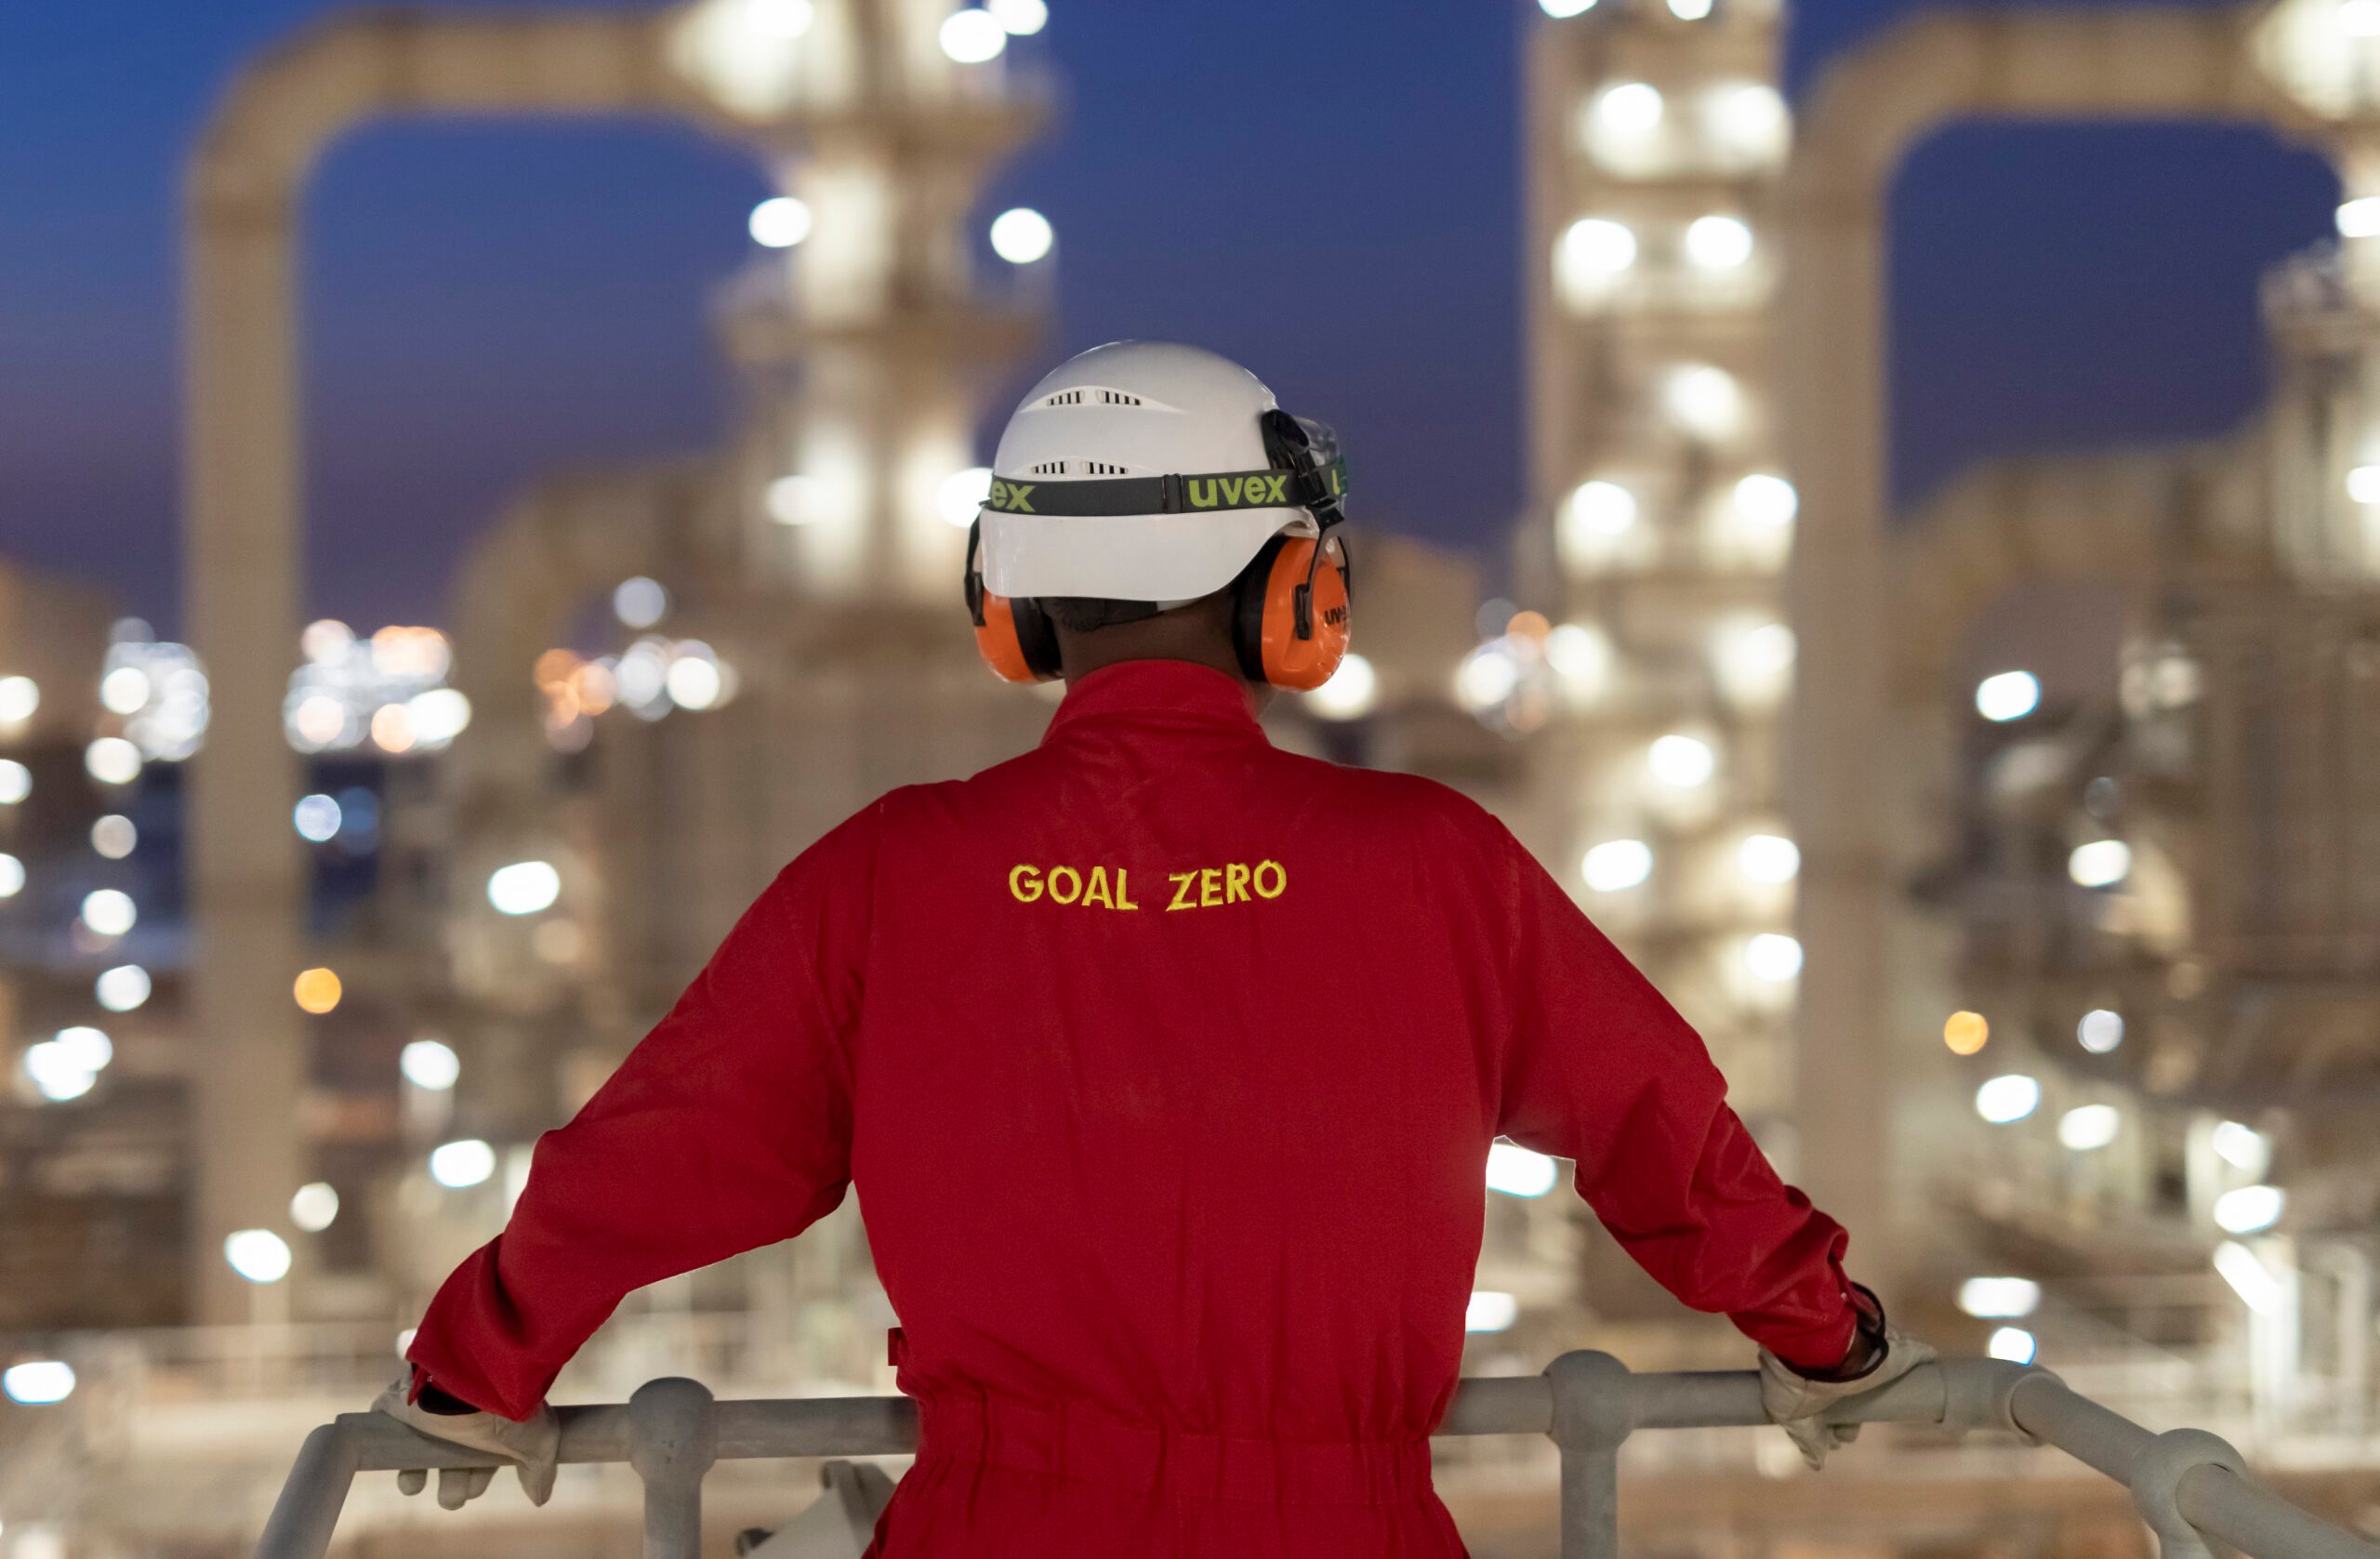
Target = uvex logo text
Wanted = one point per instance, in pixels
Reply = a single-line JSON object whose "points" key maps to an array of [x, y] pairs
{"points": [[1230, 491], [1012, 497]]}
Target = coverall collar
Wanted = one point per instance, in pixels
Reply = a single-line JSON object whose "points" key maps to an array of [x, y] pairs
{"points": [[1167, 691]]}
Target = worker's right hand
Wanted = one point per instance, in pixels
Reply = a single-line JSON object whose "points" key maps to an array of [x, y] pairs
{"points": [[531, 1445]]}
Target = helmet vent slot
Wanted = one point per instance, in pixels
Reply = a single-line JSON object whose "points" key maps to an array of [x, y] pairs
{"points": [[1097, 467], [1094, 396], [1051, 467]]}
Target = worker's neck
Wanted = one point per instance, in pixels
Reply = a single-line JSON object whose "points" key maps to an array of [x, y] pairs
{"points": [[1198, 634]]}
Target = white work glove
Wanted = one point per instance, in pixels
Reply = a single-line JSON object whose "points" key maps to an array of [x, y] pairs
{"points": [[531, 1445], [1794, 1403]]}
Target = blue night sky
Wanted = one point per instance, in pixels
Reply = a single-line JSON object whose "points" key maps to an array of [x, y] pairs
{"points": [[487, 302]]}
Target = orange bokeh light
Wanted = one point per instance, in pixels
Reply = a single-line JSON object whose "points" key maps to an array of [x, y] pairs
{"points": [[1965, 1033], [317, 990], [554, 666]]}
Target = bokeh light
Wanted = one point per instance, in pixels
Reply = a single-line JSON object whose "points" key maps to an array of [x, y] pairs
{"points": [[317, 990]]}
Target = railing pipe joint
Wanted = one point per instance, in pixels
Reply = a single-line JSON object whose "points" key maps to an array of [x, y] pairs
{"points": [[2157, 1474], [1981, 1394], [673, 1439], [1593, 1401], [1593, 1412]]}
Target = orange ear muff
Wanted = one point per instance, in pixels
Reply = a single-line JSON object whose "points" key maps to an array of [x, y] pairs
{"points": [[1295, 633], [996, 640], [1014, 637]]}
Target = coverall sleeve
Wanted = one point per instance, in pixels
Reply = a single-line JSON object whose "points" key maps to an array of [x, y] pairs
{"points": [[727, 1127], [1599, 1068]]}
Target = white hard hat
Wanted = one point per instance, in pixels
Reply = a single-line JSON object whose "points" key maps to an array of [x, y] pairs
{"points": [[1185, 483]]}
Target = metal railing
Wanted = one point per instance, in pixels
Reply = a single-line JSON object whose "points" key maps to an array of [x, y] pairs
{"points": [[2189, 1485]]}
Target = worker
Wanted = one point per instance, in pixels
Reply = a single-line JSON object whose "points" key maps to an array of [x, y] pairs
{"points": [[1166, 1063]]}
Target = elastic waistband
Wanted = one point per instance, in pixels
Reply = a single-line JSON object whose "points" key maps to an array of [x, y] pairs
{"points": [[1076, 1442]]}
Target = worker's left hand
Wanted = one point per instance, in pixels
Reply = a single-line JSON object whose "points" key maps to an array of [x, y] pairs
{"points": [[1796, 1404], [532, 1444]]}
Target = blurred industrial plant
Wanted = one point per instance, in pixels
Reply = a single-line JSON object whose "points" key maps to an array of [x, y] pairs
{"points": [[2067, 1002]]}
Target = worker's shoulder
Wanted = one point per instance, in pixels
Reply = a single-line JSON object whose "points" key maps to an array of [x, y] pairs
{"points": [[1373, 795], [855, 848], [912, 810]]}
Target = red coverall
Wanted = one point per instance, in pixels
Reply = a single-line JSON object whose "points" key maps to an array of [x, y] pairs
{"points": [[1166, 1064]]}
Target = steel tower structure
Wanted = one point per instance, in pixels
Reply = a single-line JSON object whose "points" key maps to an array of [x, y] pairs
{"points": [[872, 112], [1660, 518]]}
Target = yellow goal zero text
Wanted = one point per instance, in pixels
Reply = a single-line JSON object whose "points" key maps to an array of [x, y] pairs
{"points": [[1065, 885], [1200, 888]]}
